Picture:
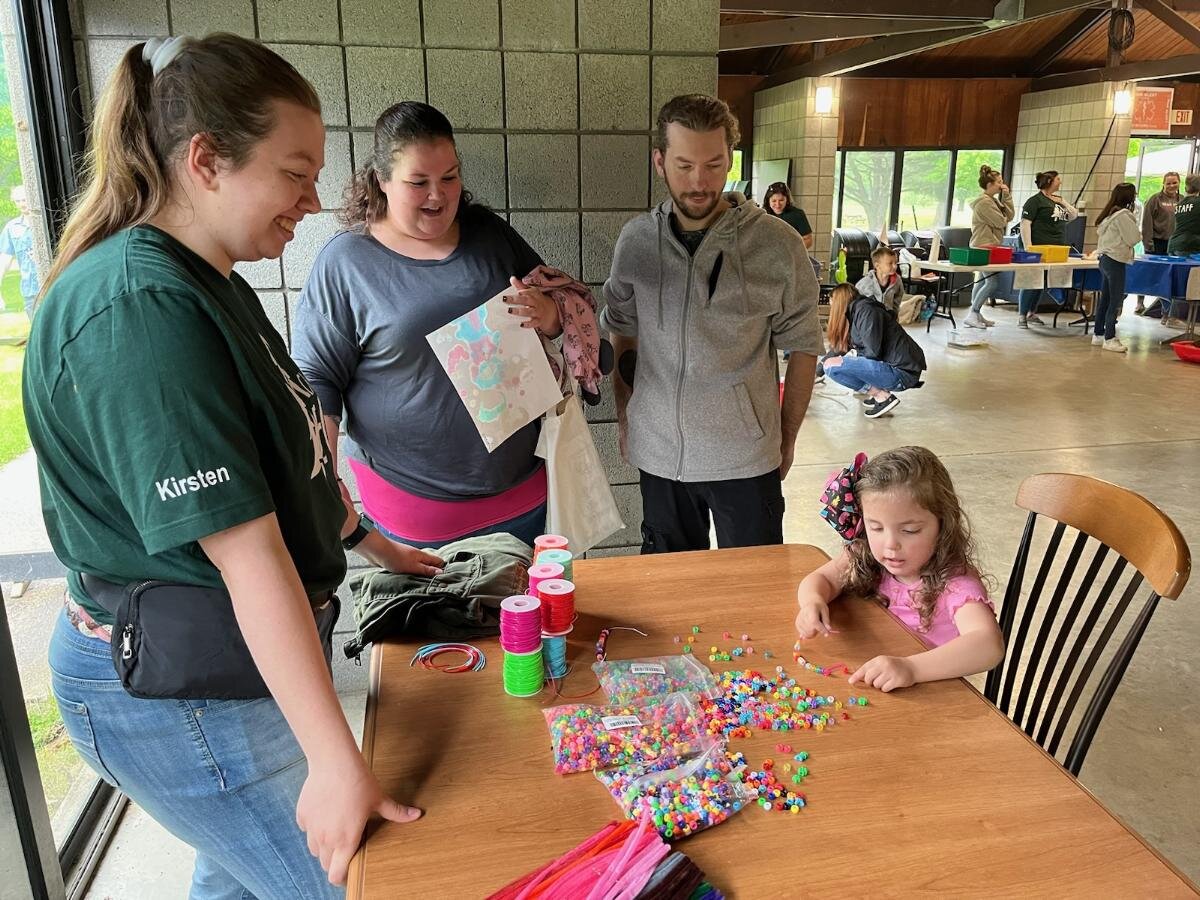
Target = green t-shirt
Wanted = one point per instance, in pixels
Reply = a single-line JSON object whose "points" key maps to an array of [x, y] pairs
{"points": [[164, 407], [795, 217], [1047, 219], [1186, 236]]}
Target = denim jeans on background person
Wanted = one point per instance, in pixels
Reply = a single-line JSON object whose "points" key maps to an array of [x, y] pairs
{"points": [[859, 373], [527, 527], [221, 775], [984, 284], [1029, 298], [1112, 296]]}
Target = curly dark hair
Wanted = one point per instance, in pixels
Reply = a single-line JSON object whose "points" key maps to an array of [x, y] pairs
{"points": [[919, 472]]}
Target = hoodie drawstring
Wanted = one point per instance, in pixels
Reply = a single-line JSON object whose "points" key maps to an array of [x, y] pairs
{"points": [[659, 218]]}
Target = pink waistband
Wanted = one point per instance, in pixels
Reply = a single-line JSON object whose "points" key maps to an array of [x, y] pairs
{"points": [[425, 521]]}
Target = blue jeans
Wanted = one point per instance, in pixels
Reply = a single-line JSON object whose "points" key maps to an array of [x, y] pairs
{"points": [[221, 775], [859, 373], [982, 290], [1028, 299], [1112, 296], [526, 527]]}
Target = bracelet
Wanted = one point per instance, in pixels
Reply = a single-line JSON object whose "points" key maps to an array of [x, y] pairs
{"points": [[356, 537]]}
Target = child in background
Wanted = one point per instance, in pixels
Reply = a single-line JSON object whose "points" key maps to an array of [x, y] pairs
{"points": [[909, 543], [1117, 233], [882, 283]]}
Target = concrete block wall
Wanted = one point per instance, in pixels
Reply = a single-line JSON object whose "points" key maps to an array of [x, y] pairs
{"points": [[1064, 130], [553, 100], [787, 126]]}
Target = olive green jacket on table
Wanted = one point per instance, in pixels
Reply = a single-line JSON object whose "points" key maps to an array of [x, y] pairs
{"points": [[460, 604]]}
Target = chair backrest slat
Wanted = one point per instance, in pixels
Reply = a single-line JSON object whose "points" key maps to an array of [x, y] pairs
{"points": [[1008, 609], [1043, 633], [1085, 631], [1018, 644], [1085, 674], [1050, 666]]}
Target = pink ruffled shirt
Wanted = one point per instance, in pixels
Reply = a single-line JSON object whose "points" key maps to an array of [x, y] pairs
{"points": [[959, 591]]}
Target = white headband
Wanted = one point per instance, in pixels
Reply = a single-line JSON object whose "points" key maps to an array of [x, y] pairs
{"points": [[159, 52]]}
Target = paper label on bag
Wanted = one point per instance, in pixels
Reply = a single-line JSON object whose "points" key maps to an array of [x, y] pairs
{"points": [[647, 669], [614, 723]]}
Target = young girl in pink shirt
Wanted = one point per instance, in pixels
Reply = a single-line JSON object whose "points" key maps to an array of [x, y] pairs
{"points": [[908, 543]]}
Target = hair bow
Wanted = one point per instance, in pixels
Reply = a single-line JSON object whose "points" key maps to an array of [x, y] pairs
{"points": [[839, 502]]}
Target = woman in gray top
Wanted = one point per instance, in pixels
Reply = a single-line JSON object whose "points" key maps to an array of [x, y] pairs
{"points": [[418, 254]]}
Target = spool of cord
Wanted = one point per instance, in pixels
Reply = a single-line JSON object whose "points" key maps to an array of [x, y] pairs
{"points": [[557, 596], [521, 624], [542, 572], [524, 673], [554, 654], [549, 542], [562, 557]]}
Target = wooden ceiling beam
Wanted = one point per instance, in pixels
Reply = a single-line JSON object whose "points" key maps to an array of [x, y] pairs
{"points": [[888, 9], [812, 29], [878, 51], [1164, 13], [1061, 42], [1148, 70]]}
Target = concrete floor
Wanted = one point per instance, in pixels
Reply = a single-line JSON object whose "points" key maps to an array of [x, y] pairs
{"points": [[1033, 401]]}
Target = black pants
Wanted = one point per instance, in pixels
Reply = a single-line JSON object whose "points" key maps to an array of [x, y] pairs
{"points": [[747, 512]]}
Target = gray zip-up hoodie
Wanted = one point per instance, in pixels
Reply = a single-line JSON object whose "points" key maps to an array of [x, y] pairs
{"points": [[705, 401]]}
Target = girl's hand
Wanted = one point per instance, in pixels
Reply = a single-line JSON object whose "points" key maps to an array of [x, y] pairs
{"points": [[885, 673], [833, 362], [813, 619], [334, 807], [403, 559], [538, 310]]}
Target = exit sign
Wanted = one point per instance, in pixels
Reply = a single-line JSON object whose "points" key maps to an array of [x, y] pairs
{"points": [[1181, 117]]}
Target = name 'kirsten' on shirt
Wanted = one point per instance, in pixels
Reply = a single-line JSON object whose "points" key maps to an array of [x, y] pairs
{"points": [[170, 488]]}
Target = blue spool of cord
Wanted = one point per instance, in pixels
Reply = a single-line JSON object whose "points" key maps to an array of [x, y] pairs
{"points": [[554, 652]]}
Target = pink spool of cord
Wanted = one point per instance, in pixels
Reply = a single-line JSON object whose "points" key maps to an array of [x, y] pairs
{"points": [[542, 572], [549, 542], [521, 624]]}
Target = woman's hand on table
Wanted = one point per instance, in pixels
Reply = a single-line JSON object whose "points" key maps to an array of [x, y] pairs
{"points": [[886, 673], [813, 619], [334, 807], [538, 310]]}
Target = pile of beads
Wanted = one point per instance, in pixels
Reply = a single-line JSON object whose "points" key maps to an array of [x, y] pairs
{"points": [[664, 729], [683, 800], [627, 680], [428, 654], [750, 700], [773, 794]]}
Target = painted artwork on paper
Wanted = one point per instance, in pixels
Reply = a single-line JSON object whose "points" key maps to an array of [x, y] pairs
{"points": [[499, 369]]}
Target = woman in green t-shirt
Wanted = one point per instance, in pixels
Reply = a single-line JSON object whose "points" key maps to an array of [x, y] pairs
{"points": [[778, 202], [177, 442], [1043, 221], [1185, 237]]}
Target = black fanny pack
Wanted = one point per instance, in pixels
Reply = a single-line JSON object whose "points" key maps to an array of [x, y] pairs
{"points": [[180, 641]]}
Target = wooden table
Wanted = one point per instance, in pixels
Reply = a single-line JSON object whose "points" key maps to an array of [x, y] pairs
{"points": [[929, 789]]}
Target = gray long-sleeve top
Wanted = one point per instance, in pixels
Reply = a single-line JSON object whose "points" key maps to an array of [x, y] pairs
{"points": [[1158, 219]]}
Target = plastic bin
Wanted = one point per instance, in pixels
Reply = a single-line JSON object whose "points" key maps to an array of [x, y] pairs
{"points": [[1051, 253], [969, 256], [1024, 256], [999, 255]]}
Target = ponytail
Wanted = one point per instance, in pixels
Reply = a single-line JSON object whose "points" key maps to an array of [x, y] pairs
{"points": [[1043, 180], [222, 86], [126, 183], [364, 201]]}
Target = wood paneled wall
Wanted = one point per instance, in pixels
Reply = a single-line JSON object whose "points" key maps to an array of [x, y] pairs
{"points": [[929, 112], [738, 92]]}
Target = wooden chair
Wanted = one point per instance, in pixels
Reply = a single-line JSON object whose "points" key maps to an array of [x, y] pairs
{"points": [[1041, 690]]}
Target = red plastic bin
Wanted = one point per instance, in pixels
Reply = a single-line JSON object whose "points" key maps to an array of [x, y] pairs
{"points": [[999, 255], [1188, 351]]}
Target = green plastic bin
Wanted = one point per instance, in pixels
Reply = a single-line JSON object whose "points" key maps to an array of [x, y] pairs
{"points": [[969, 256]]}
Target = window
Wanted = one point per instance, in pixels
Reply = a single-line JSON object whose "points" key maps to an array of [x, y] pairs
{"points": [[1150, 159], [909, 190]]}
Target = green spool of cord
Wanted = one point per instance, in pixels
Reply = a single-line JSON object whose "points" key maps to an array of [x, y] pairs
{"points": [[523, 673]]}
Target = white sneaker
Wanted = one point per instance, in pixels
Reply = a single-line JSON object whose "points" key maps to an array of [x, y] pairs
{"points": [[974, 320], [986, 321], [1097, 340], [1115, 346]]}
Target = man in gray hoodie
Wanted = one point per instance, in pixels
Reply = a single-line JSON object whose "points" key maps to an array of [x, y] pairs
{"points": [[701, 296]]}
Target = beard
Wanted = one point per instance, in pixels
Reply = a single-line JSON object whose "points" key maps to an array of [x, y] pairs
{"points": [[691, 204]]}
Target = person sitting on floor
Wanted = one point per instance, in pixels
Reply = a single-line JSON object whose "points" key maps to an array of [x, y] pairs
{"points": [[882, 284], [886, 360]]}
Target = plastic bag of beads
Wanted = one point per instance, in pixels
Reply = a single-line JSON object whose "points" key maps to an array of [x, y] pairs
{"points": [[698, 794], [630, 680], [666, 729]]}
